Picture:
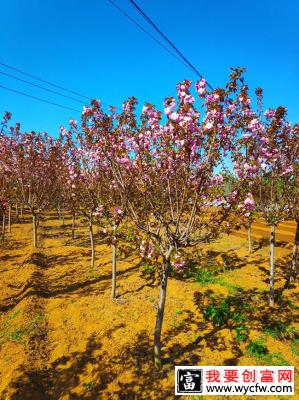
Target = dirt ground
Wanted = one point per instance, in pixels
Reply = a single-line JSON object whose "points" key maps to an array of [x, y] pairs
{"points": [[63, 337]]}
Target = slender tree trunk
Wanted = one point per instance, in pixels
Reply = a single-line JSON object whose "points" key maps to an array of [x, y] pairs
{"points": [[3, 227], [113, 288], [9, 218], [295, 255], [91, 244], [272, 266], [160, 312], [73, 225], [22, 209], [17, 212], [34, 224], [62, 213], [249, 237], [58, 212]]}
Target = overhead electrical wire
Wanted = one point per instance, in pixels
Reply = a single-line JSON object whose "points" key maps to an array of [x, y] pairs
{"points": [[145, 31], [181, 57], [149, 20], [39, 98], [50, 83], [41, 87]]}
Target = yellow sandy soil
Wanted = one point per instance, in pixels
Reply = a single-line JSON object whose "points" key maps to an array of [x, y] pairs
{"points": [[63, 337]]}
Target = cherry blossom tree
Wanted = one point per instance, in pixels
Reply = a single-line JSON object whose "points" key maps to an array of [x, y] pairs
{"points": [[266, 160], [31, 163], [169, 170]]}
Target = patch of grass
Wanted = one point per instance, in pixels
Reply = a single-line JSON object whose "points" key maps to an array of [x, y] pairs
{"points": [[148, 269], [219, 315], [152, 299], [89, 385], [178, 311], [275, 329], [19, 333], [257, 348], [295, 346], [242, 333], [16, 335], [290, 304], [230, 311], [203, 277], [91, 274], [275, 359], [230, 286]]}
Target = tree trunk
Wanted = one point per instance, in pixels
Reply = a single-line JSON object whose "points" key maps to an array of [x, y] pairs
{"points": [[34, 224], [91, 244], [249, 238], [9, 218], [160, 312], [295, 255], [272, 266], [22, 209], [17, 213], [58, 212], [113, 288], [73, 225], [62, 213], [3, 227]]}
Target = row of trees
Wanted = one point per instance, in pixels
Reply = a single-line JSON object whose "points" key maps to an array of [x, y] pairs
{"points": [[181, 177]]}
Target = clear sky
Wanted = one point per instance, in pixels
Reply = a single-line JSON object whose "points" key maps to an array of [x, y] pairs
{"points": [[89, 47]]}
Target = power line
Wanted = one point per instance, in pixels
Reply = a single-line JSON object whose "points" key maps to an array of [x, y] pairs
{"points": [[145, 31], [50, 83], [40, 99], [135, 5], [41, 87]]}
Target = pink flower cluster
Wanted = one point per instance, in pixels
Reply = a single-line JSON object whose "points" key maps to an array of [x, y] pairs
{"points": [[178, 261]]}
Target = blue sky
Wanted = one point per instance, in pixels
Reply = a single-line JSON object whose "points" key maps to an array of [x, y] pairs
{"points": [[89, 47]]}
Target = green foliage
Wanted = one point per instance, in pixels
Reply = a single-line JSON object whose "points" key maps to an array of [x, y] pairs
{"points": [[242, 333], [275, 359], [204, 277], [16, 335], [129, 234], [148, 269], [229, 312], [89, 385], [257, 348], [219, 315], [295, 346], [16, 332], [275, 329]]}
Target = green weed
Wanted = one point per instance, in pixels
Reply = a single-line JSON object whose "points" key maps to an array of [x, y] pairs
{"points": [[257, 348], [89, 385], [295, 346], [275, 329]]}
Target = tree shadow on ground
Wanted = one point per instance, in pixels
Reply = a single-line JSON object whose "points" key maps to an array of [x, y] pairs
{"points": [[85, 375], [62, 288], [70, 374]]}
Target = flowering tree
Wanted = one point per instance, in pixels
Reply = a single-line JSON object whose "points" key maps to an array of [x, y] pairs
{"points": [[169, 170], [266, 160], [90, 182], [30, 161], [293, 201], [106, 148]]}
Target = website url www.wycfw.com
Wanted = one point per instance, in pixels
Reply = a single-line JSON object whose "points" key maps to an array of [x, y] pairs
{"points": [[252, 389], [252, 380]]}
